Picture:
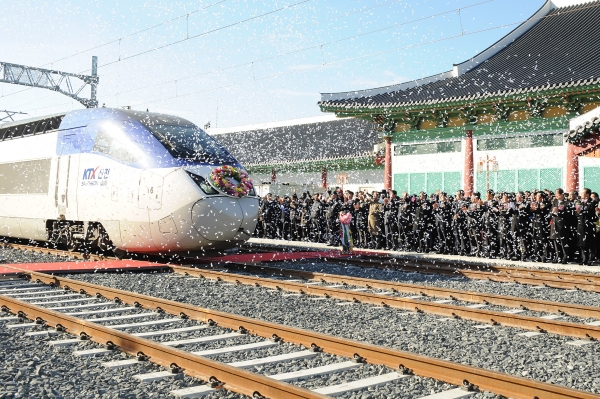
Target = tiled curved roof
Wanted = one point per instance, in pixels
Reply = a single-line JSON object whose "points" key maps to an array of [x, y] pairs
{"points": [[304, 142], [559, 51]]}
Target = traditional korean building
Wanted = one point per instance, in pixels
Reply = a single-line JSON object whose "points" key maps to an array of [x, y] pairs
{"points": [[307, 154], [507, 108]]}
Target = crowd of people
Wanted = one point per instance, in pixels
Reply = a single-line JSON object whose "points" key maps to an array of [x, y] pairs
{"points": [[542, 226]]}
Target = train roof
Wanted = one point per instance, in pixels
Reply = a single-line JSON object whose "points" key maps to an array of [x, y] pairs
{"points": [[47, 123]]}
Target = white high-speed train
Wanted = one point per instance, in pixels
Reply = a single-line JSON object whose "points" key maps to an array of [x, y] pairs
{"points": [[120, 179]]}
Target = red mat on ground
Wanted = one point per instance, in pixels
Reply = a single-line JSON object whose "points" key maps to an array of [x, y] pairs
{"points": [[274, 256], [84, 266]]}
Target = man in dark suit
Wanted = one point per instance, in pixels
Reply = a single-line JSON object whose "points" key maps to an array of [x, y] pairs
{"points": [[559, 233], [586, 225], [390, 219]]}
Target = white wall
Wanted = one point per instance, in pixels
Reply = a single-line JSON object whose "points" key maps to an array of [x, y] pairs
{"points": [[356, 177], [523, 158]]}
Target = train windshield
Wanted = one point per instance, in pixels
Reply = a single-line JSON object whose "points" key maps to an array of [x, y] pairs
{"points": [[190, 142]]}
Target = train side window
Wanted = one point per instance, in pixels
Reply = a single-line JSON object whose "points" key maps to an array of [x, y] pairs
{"points": [[105, 144]]}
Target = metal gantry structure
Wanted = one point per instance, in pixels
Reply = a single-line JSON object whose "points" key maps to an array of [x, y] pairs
{"points": [[69, 84], [9, 115]]}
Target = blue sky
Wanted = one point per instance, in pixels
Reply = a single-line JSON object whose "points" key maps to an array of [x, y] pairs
{"points": [[266, 69]]}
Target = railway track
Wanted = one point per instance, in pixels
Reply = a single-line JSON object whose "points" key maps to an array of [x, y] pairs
{"points": [[420, 296], [472, 270], [56, 252], [353, 289], [232, 376], [345, 288]]}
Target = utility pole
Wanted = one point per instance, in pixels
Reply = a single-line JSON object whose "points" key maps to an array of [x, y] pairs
{"points": [[487, 161]]}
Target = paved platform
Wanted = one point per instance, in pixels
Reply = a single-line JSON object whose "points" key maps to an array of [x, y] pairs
{"points": [[80, 267], [460, 260]]}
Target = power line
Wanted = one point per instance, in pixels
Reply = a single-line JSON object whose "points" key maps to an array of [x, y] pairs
{"points": [[206, 33], [319, 66], [177, 41], [303, 26], [119, 40], [328, 64], [138, 32], [336, 62], [251, 63], [339, 61]]}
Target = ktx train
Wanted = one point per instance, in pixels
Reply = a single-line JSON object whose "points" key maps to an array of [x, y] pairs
{"points": [[121, 179]]}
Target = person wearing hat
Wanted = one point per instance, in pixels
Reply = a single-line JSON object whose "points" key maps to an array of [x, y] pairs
{"points": [[375, 221]]}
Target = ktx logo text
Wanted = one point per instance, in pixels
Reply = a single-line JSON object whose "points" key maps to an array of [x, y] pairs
{"points": [[95, 176]]}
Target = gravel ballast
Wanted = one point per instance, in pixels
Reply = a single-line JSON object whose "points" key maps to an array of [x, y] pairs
{"points": [[31, 369], [544, 357], [413, 387], [586, 298], [12, 255]]}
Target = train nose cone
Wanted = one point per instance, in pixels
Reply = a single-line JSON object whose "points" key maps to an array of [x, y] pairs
{"points": [[217, 219]]}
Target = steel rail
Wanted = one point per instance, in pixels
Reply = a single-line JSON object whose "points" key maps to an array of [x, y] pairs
{"points": [[441, 309], [57, 252], [472, 265], [235, 379], [562, 281], [472, 268], [467, 296], [450, 372]]}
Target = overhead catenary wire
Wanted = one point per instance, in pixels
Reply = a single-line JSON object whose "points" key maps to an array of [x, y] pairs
{"points": [[118, 40], [205, 33], [177, 41], [316, 46], [335, 62], [187, 77], [462, 34]]}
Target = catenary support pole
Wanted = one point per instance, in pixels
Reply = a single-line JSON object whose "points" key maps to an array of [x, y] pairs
{"points": [[387, 177], [572, 168], [94, 84], [468, 176]]}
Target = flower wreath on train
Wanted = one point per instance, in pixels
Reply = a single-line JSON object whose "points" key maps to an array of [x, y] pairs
{"points": [[230, 180]]}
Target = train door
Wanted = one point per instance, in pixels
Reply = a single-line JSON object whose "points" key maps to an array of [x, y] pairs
{"points": [[62, 184], [66, 177], [150, 194]]}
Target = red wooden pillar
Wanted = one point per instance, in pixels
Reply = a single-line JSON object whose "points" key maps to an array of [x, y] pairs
{"points": [[387, 172], [324, 178], [273, 176], [572, 168], [468, 176], [590, 142]]}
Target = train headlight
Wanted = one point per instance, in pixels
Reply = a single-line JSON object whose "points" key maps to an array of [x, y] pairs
{"points": [[203, 184]]}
